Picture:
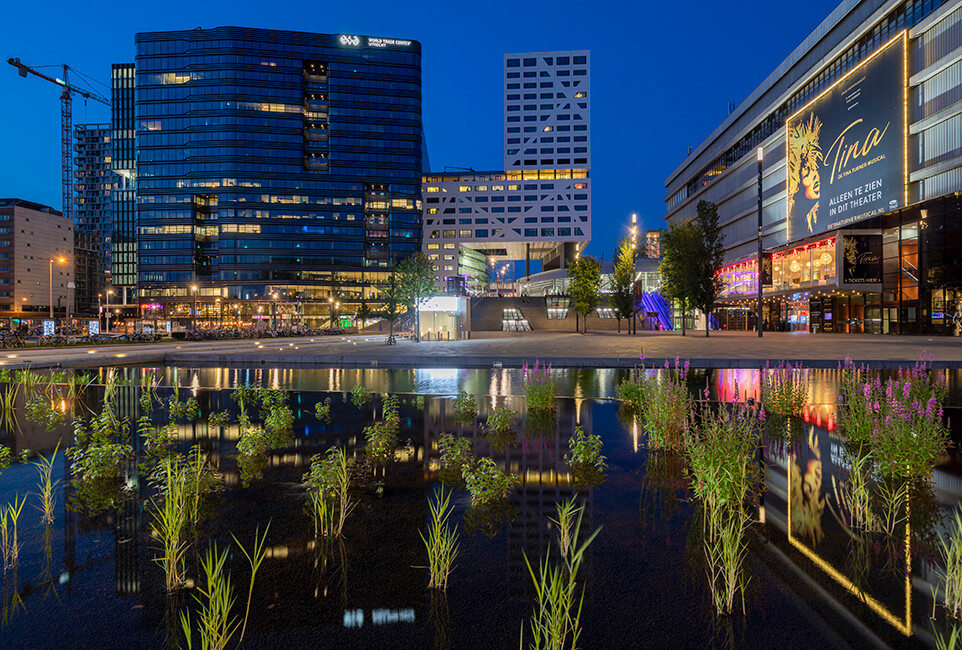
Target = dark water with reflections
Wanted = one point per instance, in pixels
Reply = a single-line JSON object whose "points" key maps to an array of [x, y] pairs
{"points": [[93, 582]]}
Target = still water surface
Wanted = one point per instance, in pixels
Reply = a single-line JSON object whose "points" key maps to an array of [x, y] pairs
{"points": [[93, 581]]}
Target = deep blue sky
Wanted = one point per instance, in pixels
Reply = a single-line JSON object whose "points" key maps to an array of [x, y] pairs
{"points": [[663, 74]]}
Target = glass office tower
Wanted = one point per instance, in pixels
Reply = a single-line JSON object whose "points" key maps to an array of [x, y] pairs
{"points": [[278, 173]]}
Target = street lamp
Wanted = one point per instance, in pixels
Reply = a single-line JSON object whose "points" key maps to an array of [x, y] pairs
{"points": [[634, 257], [330, 305], [110, 292], [193, 311], [273, 310], [59, 260]]}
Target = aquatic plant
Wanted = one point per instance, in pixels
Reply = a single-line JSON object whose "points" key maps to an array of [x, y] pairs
{"points": [[48, 499], [246, 397], [663, 402], [382, 436], [539, 387], [10, 533], [328, 484], [950, 573], [455, 452], [100, 447], [187, 410], [585, 451], [465, 410], [4, 457], [255, 558], [487, 483], [216, 600], [8, 410], [169, 525], [854, 496], [723, 476], [556, 621], [42, 409], [419, 402], [218, 419], [322, 411], [784, 388], [951, 643], [441, 542], [279, 418], [501, 421], [360, 396], [149, 383]]}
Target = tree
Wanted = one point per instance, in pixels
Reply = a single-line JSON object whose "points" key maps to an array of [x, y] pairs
{"points": [[677, 266], [623, 282], [584, 286], [417, 284], [364, 313], [391, 298], [708, 258]]}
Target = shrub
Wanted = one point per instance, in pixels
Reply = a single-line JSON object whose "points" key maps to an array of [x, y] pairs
{"points": [[221, 419], [322, 411], [539, 387], [455, 453], [500, 427], [382, 435], [464, 408], [585, 451], [360, 396], [487, 483], [900, 420]]}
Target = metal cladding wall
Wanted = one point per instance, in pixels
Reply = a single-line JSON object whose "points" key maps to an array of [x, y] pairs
{"points": [[723, 168]]}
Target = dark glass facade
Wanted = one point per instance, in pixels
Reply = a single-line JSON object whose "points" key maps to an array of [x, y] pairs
{"points": [[123, 263], [275, 166]]}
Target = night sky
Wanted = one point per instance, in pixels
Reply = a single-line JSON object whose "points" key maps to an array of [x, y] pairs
{"points": [[662, 73]]}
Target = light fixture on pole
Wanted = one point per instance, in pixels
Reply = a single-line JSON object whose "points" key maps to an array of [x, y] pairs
{"points": [[633, 326], [107, 310], [758, 266], [193, 311], [60, 260]]}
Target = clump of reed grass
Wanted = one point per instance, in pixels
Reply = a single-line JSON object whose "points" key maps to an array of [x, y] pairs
{"points": [[48, 497], [9, 532], [784, 389], [441, 542], [854, 496], [556, 621], [539, 387], [169, 525], [663, 402], [187, 410], [217, 625], [8, 408], [255, 557], [487, 483], [950, 573], [328, 484], [723, 477]]}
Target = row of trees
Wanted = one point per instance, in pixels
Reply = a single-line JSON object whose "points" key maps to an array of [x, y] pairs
{"points": [[692, 251]]}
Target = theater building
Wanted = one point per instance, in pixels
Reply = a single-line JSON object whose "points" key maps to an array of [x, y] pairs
{"points": [[854, 144]]}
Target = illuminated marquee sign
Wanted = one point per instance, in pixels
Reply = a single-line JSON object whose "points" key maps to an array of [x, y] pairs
{"points": [[352, 40], [846, 150]]}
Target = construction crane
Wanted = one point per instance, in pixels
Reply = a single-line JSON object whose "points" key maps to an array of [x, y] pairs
{"points": [[66, 123]]}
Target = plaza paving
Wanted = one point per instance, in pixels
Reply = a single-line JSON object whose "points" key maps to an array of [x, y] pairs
{"points": [[721, 350]]}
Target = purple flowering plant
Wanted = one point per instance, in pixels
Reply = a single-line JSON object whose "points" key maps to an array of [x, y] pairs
{"points": [[662, 400], [539, 387]]}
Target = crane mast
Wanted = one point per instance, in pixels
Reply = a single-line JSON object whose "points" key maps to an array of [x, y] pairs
{"points": [[66, 124]]}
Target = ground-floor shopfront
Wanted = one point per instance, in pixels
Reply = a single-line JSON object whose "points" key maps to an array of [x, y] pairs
{"points": [[898, 273]]}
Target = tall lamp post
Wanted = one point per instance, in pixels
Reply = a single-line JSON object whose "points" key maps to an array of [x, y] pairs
{"points": [[760, 157], [107, 310], [634, 257], [193, 310], [60, 260]]}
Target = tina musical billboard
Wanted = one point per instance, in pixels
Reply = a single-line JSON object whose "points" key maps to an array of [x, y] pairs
{"points": [[846, 149]]}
